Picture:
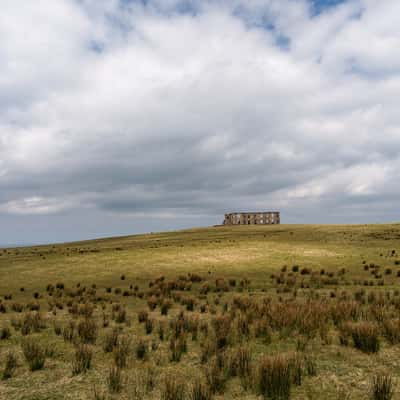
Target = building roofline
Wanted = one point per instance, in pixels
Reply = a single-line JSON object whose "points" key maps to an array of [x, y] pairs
{"points": [[252, 212]]}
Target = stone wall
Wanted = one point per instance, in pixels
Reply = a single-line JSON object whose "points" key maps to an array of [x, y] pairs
{"points": [[252, 218]]}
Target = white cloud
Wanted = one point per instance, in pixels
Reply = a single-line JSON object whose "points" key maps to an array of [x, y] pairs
{"points": [[358, 180], [35, 206]]}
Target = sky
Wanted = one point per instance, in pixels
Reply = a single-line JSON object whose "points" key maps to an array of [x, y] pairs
{"points": [[129, 116]]}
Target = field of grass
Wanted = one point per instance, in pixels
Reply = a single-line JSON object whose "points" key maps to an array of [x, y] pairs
{"points": [[279, 312]]}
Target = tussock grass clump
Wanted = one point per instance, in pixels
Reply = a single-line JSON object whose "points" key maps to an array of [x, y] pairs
{"points": [[240, 365], [165, 307], [69, 332], [34, 353], [105, 320], [141, 349], [5, 333], [189, 302], [49, 288], [221, 285], [17, 307], [263, 330], [274, 379], [121, 351], [301, 343], [73, 308], [135, 387], [216, 373], [149, 380], [242, 327], [177, 346], [208, 348], [148, 326], [110, 341], [205, 288], [32, 322], [345, 311], [310, 366], [82, 359], [33, 306], [10, 366], [114, 380], [152, 303], [365, 336], [179, 325], [173, 389], [296, 369], [195, 278], [382, 387], [26, 329], [240, 361], [193, 326], [161, 331], [175, 351], [86, 310], [87, 331], [305, 271], [222, 330], [143, 316], [391, 330], [57, 328], [16, 323], [200, 391], [120, 316]]}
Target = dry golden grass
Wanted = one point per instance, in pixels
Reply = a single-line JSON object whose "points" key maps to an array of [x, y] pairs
{"points": [[248, 289]]}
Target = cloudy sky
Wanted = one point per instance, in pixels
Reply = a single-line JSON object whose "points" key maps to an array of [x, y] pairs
{"points": [[126, 116]]}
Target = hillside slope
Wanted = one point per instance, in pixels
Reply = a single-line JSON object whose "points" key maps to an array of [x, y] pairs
{"points": [[255, 251], [147, 316]]}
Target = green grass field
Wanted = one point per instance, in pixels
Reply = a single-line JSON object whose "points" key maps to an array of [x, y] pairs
{"points": [[359, 264]]}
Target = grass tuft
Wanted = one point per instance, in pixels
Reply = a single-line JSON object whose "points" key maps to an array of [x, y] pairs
{"points": [[274, 378], [10, 366], [382, 387], [173, 389], [34, 353], [82, 360]]}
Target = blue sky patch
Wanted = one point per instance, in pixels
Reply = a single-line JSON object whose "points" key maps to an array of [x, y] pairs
{"points": [[319, 6]]}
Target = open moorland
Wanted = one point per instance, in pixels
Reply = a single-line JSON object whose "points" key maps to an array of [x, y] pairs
{"points": [[250, 312]]}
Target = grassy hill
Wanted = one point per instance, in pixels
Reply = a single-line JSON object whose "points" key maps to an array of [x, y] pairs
{"points": [[262, 267], [255, 251]]}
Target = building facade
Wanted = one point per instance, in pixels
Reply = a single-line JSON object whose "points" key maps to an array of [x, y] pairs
{"points": [[253, 218]]}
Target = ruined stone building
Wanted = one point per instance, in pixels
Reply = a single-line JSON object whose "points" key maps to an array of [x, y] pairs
{"points": [[252, 218]]}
